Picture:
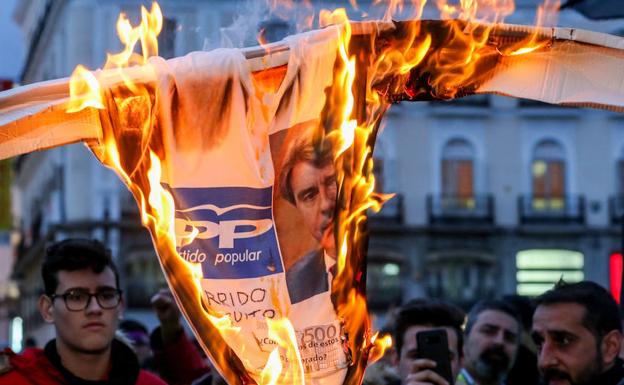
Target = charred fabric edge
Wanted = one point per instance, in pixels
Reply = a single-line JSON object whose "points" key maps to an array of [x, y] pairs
{"points": [[136, 165], [424, 80], [510, 34]]}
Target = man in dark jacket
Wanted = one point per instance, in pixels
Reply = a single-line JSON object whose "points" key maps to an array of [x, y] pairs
{"points": [[577, 330], [83, 301], [524, 371]]}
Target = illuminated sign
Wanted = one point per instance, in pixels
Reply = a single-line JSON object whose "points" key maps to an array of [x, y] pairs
{"points": [[615, 275], [539, 269]]}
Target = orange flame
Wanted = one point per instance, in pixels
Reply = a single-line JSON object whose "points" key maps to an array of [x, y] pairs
{"points": [[84, 90], [343, 80], [282, 332], [457, 63], [134, 102], [546, 17], [147, 33], [273, 368], [262, 38]]}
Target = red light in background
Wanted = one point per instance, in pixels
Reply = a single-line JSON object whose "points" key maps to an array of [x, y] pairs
{"points": [[615, 275]]}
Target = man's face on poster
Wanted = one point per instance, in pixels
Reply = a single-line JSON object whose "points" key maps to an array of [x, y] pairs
{"points": [[314, 189]]}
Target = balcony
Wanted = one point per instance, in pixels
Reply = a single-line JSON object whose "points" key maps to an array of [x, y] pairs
{"points": [[390, 213], [452, 210], [565, 210], [616, 208]]}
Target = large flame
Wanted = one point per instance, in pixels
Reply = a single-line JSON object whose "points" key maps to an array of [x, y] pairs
{"points": [[133, 101], [387, 68], [371, 72]]}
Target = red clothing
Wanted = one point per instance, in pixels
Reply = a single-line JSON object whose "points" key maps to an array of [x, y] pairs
{"points": [[30, 367], [33, 367], [180, 362]]}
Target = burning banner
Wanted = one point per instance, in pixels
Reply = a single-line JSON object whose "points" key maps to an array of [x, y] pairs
{"points": [[253, 168]]}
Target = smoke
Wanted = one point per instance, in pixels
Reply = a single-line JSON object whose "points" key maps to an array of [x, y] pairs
{"points": [[243, 31], [272, 20]]}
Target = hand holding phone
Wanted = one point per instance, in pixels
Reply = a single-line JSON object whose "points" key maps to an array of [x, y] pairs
{"points": [[433, 345]]}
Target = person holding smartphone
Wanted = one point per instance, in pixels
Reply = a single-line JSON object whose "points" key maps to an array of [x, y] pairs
{"points": [[437, 327]]}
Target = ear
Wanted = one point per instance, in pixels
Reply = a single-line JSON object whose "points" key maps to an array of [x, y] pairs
{"points": [[121, 308], [46, 308], [610, 346]]}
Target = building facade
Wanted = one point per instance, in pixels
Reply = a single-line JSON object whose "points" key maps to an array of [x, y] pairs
{"points": [[497, 195], [501, 196]]}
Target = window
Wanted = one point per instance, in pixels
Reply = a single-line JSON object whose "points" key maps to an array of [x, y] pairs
{"points": [[539, 269], [617, 201], [378, 168], [143, 278], [166, 39], [274, 29], [383, 283], [460, 278], [458, 175], [548, 176], [620, 174]]}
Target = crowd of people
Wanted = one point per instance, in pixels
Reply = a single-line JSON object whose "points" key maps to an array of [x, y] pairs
{"points": [[570, 335]]}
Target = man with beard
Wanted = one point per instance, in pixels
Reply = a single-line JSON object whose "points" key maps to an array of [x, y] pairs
{"points": [[492, 336], [577, 330]]}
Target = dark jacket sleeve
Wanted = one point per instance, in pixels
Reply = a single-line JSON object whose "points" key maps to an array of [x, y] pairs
{"points": [[180, 362]]}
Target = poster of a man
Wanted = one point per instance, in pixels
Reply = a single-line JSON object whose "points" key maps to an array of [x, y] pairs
{"points": [[305, 200], [307, 180]]}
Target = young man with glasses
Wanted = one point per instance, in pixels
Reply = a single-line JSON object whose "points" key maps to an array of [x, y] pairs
{"points": [[83, 301]]}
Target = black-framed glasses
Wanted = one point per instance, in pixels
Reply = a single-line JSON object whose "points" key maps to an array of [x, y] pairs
{"points": [[78, 300]]}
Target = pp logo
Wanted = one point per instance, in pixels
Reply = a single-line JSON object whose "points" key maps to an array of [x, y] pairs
{"points": [[226, 231]]}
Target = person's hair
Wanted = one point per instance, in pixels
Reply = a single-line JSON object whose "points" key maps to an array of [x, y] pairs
{"points": [[427, 312], [75, 254], [30, 342], [302, 149], [492, 304], [524, 307], [135, 332], [130, 325], [602, 314]]}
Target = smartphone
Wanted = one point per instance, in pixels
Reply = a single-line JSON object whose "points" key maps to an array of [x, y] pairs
{"points": [[433, 345]]}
